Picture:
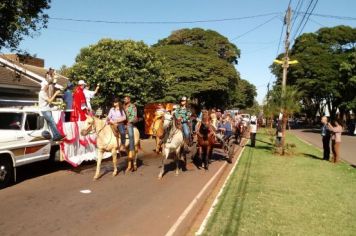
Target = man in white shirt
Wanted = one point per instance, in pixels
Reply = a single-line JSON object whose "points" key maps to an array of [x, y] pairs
{"points": [[43, 102], [89, 94], [253, 130]]}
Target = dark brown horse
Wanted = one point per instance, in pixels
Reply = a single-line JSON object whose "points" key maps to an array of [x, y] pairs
{"points": [[206, 139]]}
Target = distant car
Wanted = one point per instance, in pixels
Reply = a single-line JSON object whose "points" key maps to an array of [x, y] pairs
{"points": [[246, 117]]}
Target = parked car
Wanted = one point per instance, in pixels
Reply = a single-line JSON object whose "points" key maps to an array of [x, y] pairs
{"points": [[24, 139]]}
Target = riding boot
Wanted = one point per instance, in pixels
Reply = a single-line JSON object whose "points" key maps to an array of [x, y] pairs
{"points": [[129, 161]]}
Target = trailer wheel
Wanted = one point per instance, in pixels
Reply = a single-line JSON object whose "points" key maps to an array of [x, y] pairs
{"points": [[6, 172]]}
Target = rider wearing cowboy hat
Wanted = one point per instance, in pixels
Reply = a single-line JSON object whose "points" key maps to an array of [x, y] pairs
{"points": [[183, 114]]}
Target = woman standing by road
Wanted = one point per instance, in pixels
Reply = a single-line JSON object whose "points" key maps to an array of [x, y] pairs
{"points": [[336, 129]]}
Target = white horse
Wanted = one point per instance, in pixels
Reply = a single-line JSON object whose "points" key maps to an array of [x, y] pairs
{"points": [[105, 142], [173, 144]]}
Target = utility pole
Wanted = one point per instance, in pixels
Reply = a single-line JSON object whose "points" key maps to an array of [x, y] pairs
{"points": [[285, 64]]}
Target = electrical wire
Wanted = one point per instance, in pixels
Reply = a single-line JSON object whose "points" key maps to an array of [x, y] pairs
{"points": [[253, 29], [305, 23], [302, 20], [163, 22]]}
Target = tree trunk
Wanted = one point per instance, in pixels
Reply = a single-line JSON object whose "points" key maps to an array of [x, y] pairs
{"points": [[284, 126]]}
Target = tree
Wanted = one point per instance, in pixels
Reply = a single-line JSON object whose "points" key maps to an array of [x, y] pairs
{"points": [[201, 66], [208, 40], [290, 104], [21, 18], [317, 74], [122, 67]]}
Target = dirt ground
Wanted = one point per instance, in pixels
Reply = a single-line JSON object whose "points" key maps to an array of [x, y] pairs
{"points": [[48, 198]]}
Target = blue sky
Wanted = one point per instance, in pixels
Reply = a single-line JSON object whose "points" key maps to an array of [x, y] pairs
{"points": [[62, 40]]}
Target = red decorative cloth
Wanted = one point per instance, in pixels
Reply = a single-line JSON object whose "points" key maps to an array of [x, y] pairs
{"points": [[79, 105]]}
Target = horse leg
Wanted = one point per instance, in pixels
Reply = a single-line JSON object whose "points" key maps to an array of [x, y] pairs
{"points": [[114, 160], [98, 164], [157, 144], [135, 158], [200, 150], [177, 159], [207, 157], [164, 157], [129, 161]]}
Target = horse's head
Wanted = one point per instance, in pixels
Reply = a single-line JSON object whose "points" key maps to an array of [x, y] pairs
{"points": [[89, 125], [167, 120]]}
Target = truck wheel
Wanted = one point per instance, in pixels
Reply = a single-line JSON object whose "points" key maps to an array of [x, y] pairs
{"points": [[6, 172]]}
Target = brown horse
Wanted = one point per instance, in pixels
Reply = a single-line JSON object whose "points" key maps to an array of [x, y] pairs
{"points": [[158, 131], [206, 139]]}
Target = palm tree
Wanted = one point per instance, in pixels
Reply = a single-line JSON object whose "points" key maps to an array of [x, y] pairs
{"points": [[289, 104]]}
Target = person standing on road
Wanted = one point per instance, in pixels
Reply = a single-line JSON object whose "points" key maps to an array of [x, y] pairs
{"points": [[253, 130], [336, 129], [325, 134]]}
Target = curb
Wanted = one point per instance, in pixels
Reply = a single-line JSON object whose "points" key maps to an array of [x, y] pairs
{"points": [[216, 200]]}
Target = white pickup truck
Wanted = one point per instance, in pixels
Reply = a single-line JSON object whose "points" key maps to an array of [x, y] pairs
{"points": [[24, 139]]}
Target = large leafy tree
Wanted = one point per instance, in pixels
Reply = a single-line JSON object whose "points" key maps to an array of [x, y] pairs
{"points": [[201, 66], [122, 67], [317, 74], [21, 18]]}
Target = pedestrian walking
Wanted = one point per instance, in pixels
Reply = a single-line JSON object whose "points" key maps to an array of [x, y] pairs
{"points": [[325, 134], [336, 129], [253, 130]]}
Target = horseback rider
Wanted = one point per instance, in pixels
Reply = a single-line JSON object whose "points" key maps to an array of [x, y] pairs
{"points": [[131, 117], [183, 114]]}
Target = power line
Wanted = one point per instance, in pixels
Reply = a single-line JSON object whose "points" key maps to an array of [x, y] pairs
{"points": [[253, 29], [305, 23], [329, 16], [297, 9], [302, 20], [163, 22]]}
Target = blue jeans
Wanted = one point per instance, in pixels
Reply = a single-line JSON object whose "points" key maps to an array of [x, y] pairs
{"points": [[130, 129], [121, 128], [52, 125], [186, 130]]}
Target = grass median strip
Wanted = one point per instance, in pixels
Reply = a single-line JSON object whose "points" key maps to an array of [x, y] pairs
{"points": [[291, 195]]}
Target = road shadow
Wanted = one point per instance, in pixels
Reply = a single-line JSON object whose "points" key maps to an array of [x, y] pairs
{"points": [[312, 156], [262, 141], [315, 131], [38, 169]]}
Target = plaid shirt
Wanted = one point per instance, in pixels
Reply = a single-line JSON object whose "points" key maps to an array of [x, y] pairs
{"points": [[183, 112], [131, 113]]}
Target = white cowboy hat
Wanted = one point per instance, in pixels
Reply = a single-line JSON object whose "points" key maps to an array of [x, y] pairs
{"points": [[81, 82], [44, 83], [183, 98]]}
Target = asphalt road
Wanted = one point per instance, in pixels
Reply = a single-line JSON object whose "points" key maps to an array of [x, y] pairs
{"points": [[348, 143], [47, 199]]}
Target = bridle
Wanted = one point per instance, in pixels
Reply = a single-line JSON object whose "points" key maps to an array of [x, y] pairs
{"points": [[92, 128]]}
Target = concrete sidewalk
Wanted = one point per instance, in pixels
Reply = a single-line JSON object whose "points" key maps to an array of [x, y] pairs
{"points": [[348, 143]]}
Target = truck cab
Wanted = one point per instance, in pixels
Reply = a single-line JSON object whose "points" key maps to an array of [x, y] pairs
{"points": [[24, 139]]}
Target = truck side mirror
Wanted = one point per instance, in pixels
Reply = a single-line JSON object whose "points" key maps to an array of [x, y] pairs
{"points": [[46, 134], [40, 122]]}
